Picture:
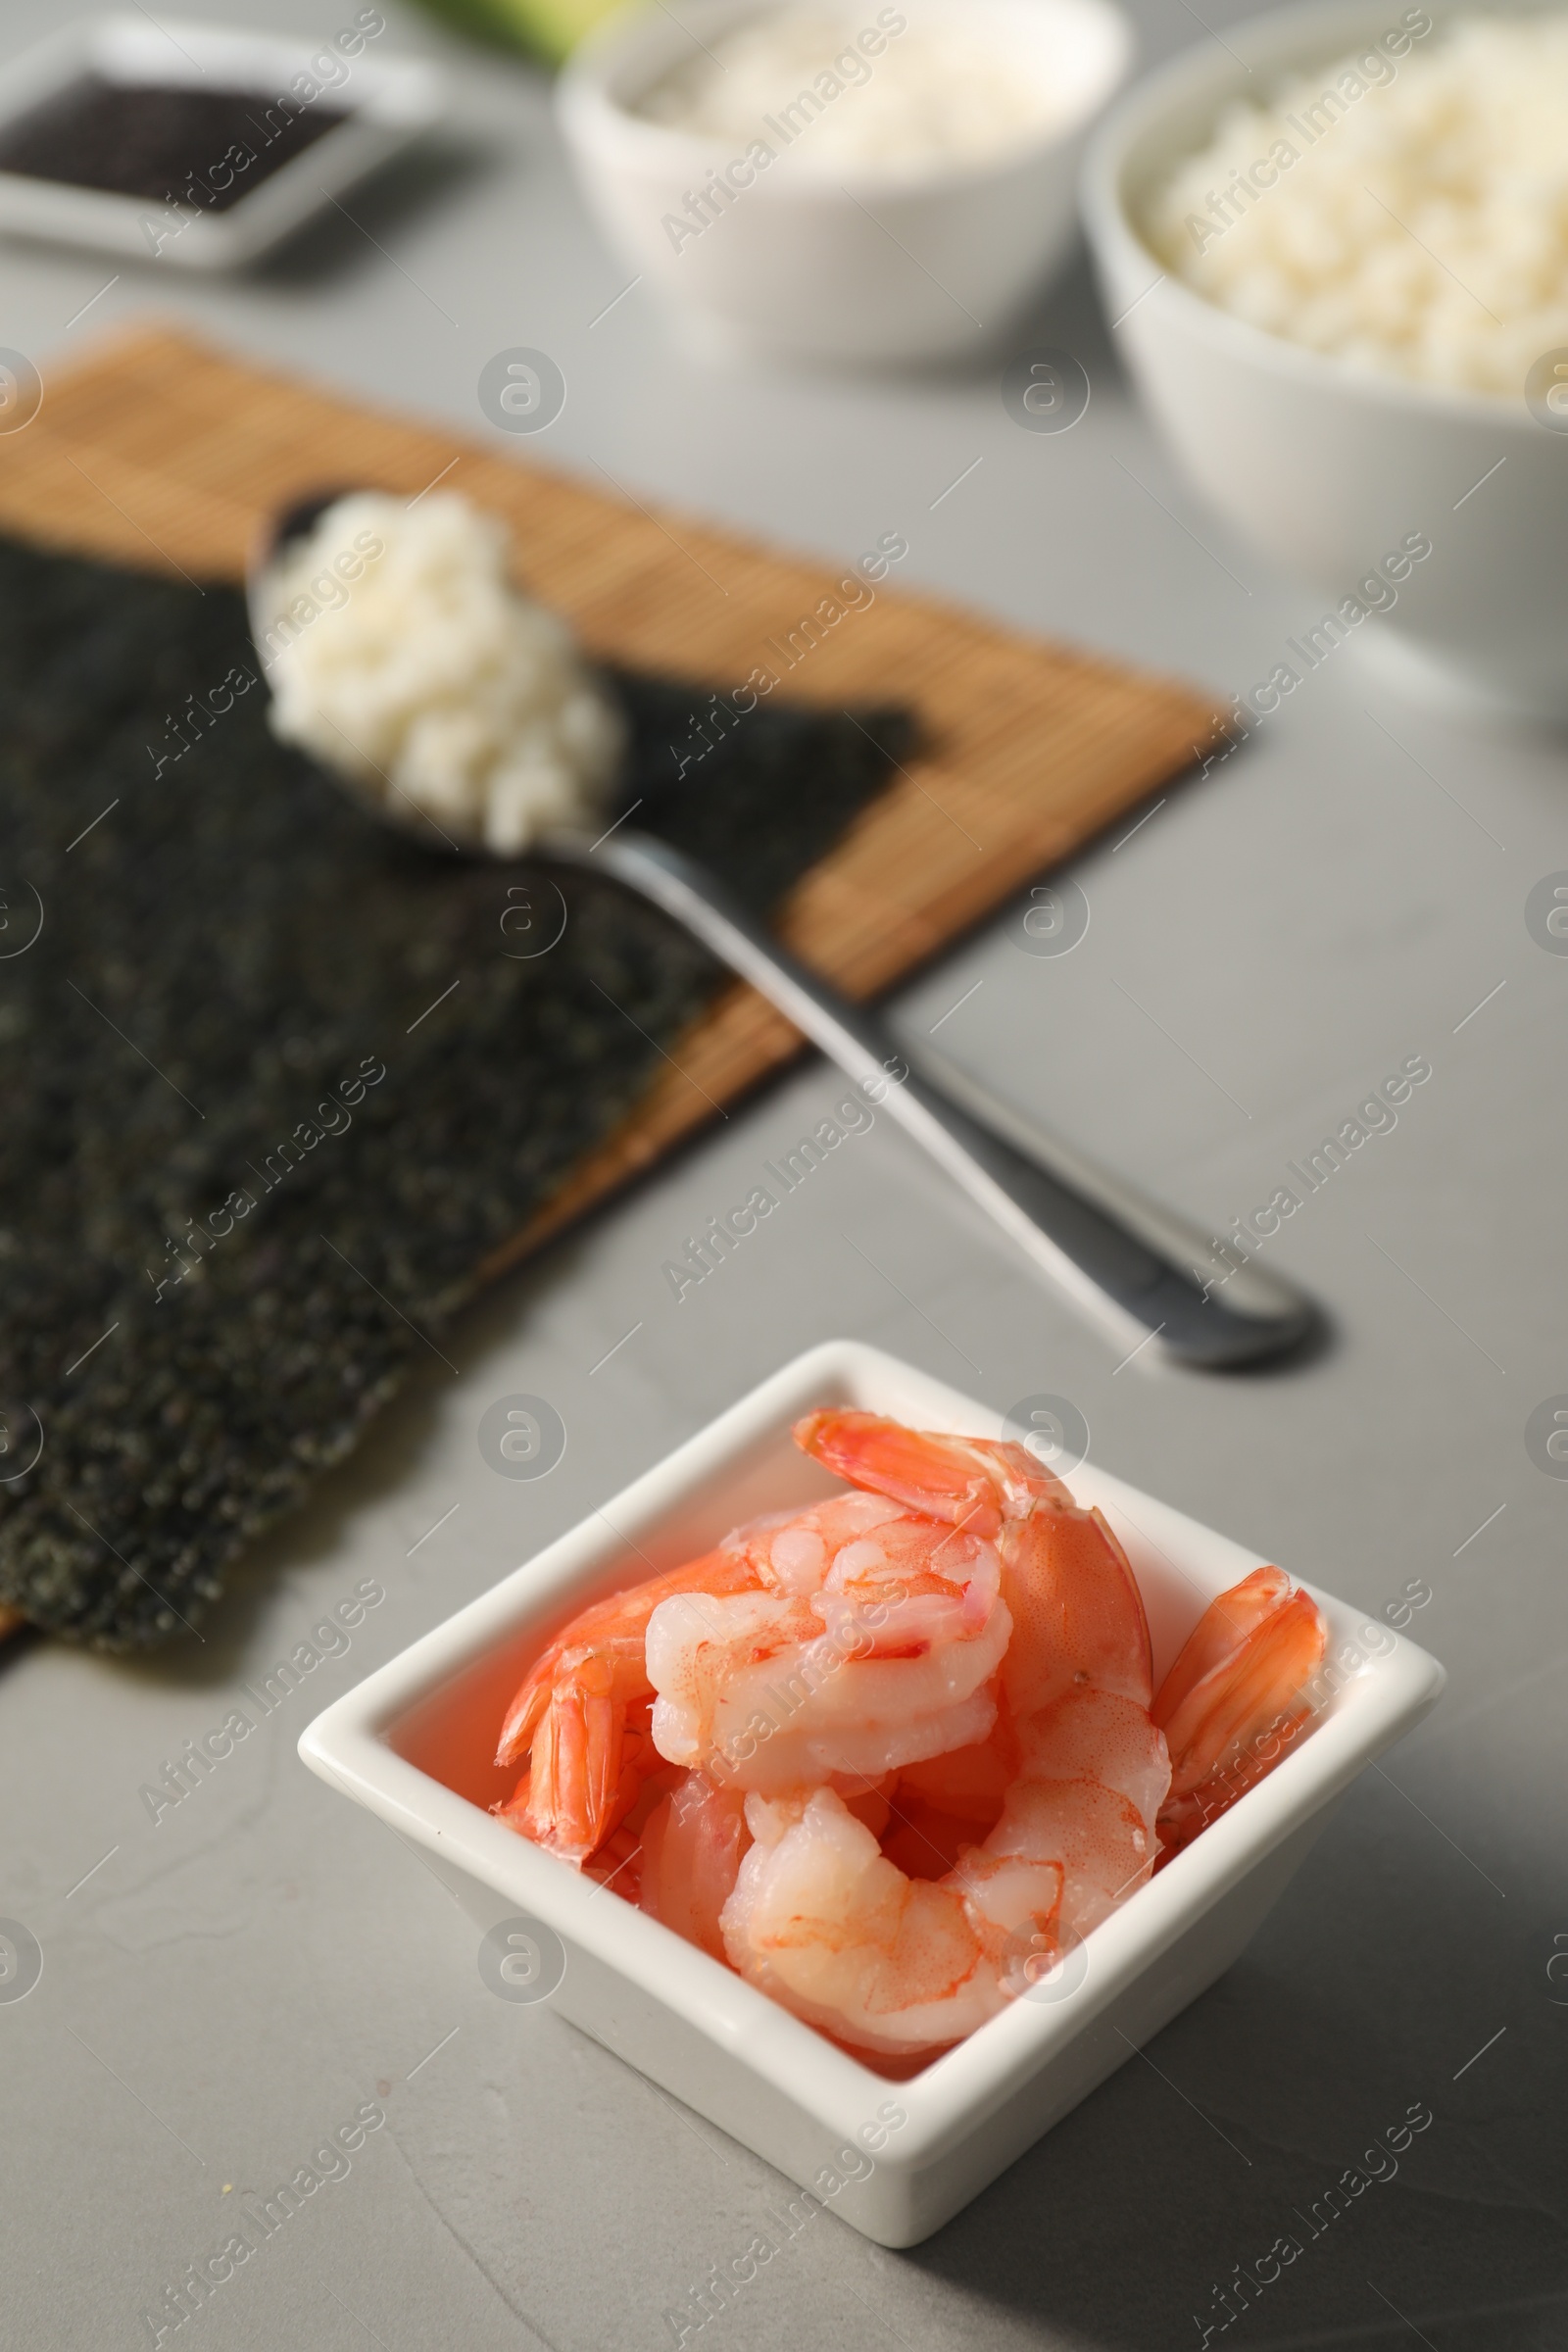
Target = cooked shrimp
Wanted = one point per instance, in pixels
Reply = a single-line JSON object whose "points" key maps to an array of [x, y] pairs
{"points": [[844, 1639], [873, 1640], [1093, 1776], [825, 1924], [1077, 1613], [583, 1712], [831, 1926], [691, 1848], [887, 1754], [1235, 1697]]}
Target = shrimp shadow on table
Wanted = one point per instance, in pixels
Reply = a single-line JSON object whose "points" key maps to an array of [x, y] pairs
{"points": [[1254, 2113]]}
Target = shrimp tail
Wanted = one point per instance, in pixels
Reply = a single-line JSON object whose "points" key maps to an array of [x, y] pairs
{"points": [[578, 1789], [530, 1702], [1235, 1697], [572, 1711], [965, 1481]]}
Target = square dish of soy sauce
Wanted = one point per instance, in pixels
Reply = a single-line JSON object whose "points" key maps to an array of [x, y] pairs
{"points": [[194, 146]]}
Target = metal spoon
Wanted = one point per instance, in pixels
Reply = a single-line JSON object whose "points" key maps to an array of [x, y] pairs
{"points": [[1105, 1243]]}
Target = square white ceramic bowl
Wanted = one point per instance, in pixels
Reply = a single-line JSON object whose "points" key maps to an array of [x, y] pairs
{"points": [[414, 1741], [390, 101]]}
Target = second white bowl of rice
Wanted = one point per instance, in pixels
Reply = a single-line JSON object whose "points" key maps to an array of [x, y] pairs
{"points": [[1336, 251], [842, 183]]}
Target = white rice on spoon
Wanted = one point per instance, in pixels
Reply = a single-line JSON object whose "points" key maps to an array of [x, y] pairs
{"points": [[400, 655]]}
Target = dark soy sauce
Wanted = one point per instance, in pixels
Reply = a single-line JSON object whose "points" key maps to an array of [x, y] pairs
{"points": [[202, 147]]}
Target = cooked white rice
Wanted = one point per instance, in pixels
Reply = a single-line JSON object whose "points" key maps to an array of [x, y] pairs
{"points": [[921, 84], [403, 657], [1405, 208]]}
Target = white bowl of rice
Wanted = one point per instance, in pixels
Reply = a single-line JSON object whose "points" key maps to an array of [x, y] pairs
{"points": [[842, 180], [1336, 253]]}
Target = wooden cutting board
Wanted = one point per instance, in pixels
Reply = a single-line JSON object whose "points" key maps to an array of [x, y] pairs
{"points": [[162, 452]]}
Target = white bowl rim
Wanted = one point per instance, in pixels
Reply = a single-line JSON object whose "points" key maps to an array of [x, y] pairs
{"points": [[1141, 111], [584, 100], [345, 1745]]}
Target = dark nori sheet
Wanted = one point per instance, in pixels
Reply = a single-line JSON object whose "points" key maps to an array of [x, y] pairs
{"points": [[225, 959]]}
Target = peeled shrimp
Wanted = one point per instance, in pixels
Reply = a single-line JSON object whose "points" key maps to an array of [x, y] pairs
{"points": [[873, 1640], [1076, 1611], [690, 1856], [887, 1754], [1061, 1792], [1078, 1661], [824, 1921], [838, 1640]]}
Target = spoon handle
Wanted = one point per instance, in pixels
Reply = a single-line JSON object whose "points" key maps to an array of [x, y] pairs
{"points": [[1105, 1243]]}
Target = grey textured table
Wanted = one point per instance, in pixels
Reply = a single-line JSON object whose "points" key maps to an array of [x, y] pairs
{"points": [[222, 1989]]}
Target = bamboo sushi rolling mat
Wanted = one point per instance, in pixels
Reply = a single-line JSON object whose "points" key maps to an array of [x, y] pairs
{"points": [[160, 453]]}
